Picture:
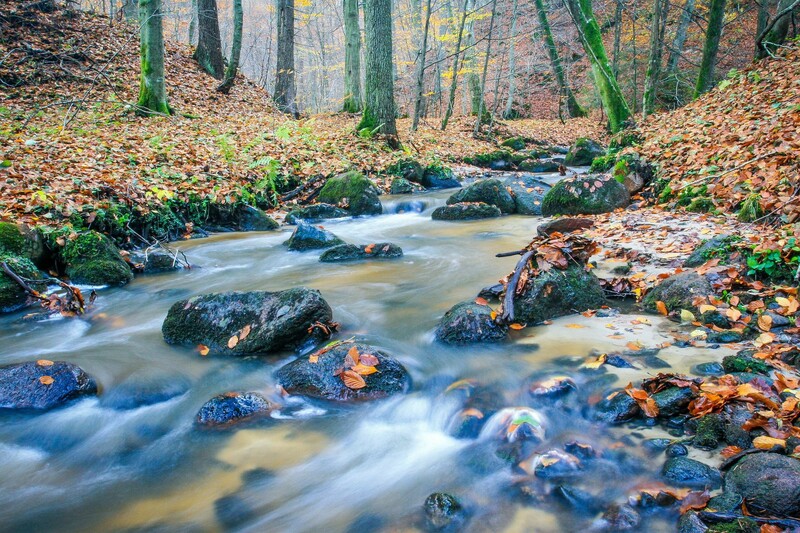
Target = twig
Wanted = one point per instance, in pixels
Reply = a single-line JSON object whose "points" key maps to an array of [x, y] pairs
{"points": [[511, 287], [716, 518], [509, 254], [27, 288]]}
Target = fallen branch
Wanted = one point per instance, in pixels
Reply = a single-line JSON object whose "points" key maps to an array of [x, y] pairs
{"points": [[27, 288], [511, 287], [717, 518], [510, 254]]}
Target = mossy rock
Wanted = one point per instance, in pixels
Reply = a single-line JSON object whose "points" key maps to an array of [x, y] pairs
{"points": [[308, 237], [623, 139], [22, 241], [719, 246], [583, 152], [439, 177], [497, 160], [515, 143], [408, 168], [768, 482], [315, 212], [465, 211], [678, 292], [528, 194], [491, 191], [12, 296], [92, 258], [558, 293], [585, 195], [468, 323], [353, 192], [537, 166], [354, 252], [403, 186], [603, 163]]}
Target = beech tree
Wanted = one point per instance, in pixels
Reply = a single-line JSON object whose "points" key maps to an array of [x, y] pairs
{"points": [[209, 44], [613, 100], [236, 48], [285, 90], [705, 78], [152, 91], [774, 32], [421, 69], [653, 74], [379, 109], [352, 58]]}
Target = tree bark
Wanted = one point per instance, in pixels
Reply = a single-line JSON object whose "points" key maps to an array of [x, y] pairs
{"points": [[236, 48], [481, 118], [470, 64], [512, 64], [152, 91], [379, 110], [209, 44], [705, 79], [573, 107], [653, 74], [193, 23], [352, 58], [130, 8], [680, 38], [418, 97], [454, 80], [617, 37], [285, 89], [774, 34], [616, 107], [763, 19]]}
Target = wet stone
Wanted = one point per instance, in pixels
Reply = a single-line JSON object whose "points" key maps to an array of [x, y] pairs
{"points": [[710, 431], [672, 401], [308, 237], [769, 482], [43, 384], [352, 252], [467, 323], [231, 408], [616, 410], [620, 518], [676, 450], [465, 211], [708, 369], [443, 512], [685, 472]]}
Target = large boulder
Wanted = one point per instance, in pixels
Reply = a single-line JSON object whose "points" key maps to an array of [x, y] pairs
{"points": [[465, 211], [557, 293], [238, 217], [22, 241], [42, 384], [678, 292], [583, 152], [768, 482], [515, 143], [353, 252], [353, 192], [585, 195], [92, 258], [242, 323], [439, 177], [332, 375], [528, 194], [308, 237], [468, 322], [12, 295], [314, 213], [230, 408], [490, 191]]}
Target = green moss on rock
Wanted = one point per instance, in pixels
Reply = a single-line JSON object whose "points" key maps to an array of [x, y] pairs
{"points": [[583, 152], [408, 168], [21, 241], [12, 296], [490, 191], [558, 293], [678, 292], [515, 143], [585, 195], [353, 192], [92, 258]]}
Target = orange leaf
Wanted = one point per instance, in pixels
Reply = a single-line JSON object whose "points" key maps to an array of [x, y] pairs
{"points": [[730, 451], [44, 362], [203, 350], [352, 380], [232, 342], [695, 500], [369, 360], [481, 301], [733, 314], [313, 358], [364, 370], [575, 326], [633, 346], [244, 333], [661, 307], [369, 248], [351, 359], [516, 326], [767, 443], [764, 322], [46, 380]]}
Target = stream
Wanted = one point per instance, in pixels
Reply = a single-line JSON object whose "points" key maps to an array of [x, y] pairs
{"points": [[313, 467]]}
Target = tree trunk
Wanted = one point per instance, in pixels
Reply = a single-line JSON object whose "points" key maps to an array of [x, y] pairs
{"points": [[680, 38], [763, 19], [352, 58], [774, 34], [481, 118], [471, 65], [209, 44], [285, 90], [152, 93], [421, 69], [653, 74], [379, 110], [614, 103], [617, 37], [192, 23], [512, 65], [236, 48], [454, 81], [705, 79], [573, 107]]}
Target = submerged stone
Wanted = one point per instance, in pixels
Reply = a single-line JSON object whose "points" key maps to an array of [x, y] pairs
{"points": [[315, 212], [231, 408], [443, 512], [467, 323]]}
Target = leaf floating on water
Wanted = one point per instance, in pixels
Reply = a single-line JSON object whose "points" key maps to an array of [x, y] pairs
{"points": [[694, 500], [575, 326], [245, 332], [233, 341], [475, 413], [46, 380], [687, 316], [203, 350], [481, 301], [516, 326], [661, 307], [597, 363], [352, 380], [369, 360], [44, 362], [634, 346]]}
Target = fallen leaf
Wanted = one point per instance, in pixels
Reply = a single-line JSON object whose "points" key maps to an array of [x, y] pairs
{"points": [[767, 443], [706, 308], [233, 341], [244, 333], [481, 301], [764, 322], [313, 359], [44, 362], [661, 307], [575, 326], [352, 380], [364, 370], [694, 500], [351, 359], [46, 380], [203, 350], [516, 326], [369, 359], [687, 316], [369, 248], [634, 346], [733, 314]]}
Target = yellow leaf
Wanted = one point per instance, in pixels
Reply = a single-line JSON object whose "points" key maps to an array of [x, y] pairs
{"points": [[783, 302], [597, 363], [767, 443], [493, 314], [687, 316], [244, 333], [661, 307], [202, 349], [733, 314], [763, 339], [364, 370], [232, 342], [575, 326], [46, 380], [352, 380], [705, 308], [313, 359], [698, 334], [44, 362]]}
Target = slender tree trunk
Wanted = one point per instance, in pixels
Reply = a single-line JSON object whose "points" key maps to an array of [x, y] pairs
{"points": [[763, 19], [705, 79], [471, 64], [192, 23], [352, 58], [454, 80], [616, 107], [152, 93], [421, 69], [653, 74], [774, 34], [379, 110], [617, 38], [481, 118], [573, 107], [236, 48], [285, 90], [209, 44], [512, 65], [680, 38]]}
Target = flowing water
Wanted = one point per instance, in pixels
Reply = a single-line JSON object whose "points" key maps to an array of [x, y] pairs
{"points": [[312, 467]]}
